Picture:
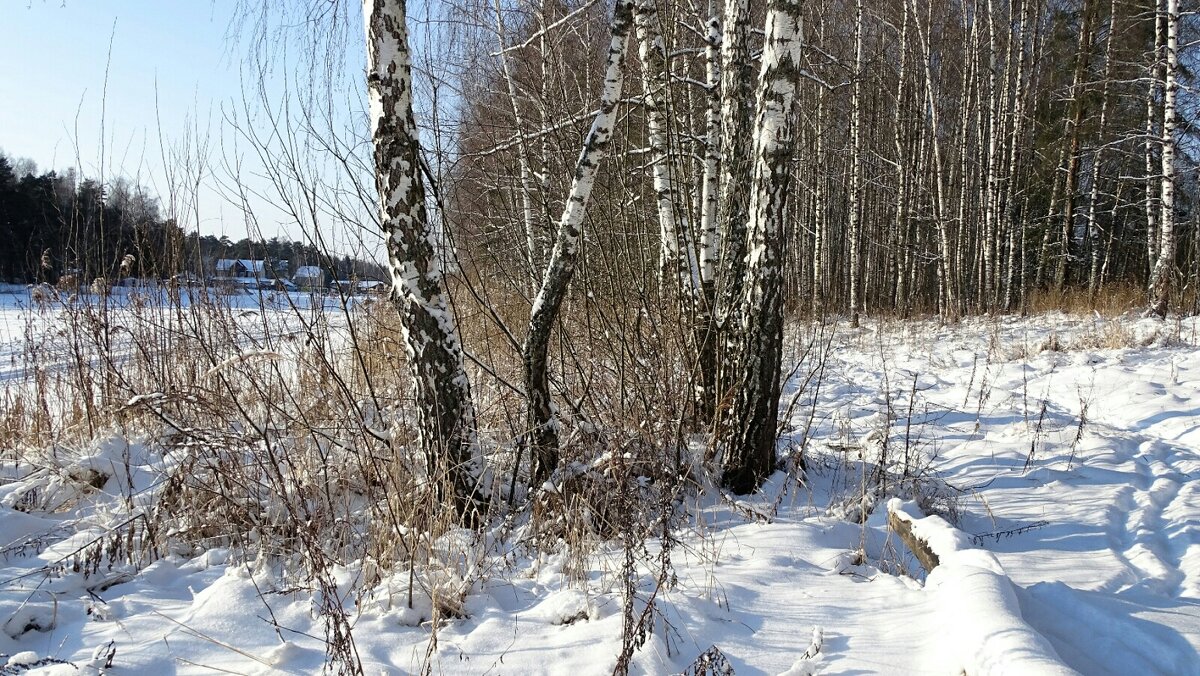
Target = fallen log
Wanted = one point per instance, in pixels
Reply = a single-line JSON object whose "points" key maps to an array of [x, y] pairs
{"points": [[984, 631], [901, 525]]}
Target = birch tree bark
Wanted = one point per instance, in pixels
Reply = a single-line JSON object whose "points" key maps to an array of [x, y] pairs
{"points": [[750, 454], [710, 235], [527, 185], [541, 427], [1161, 275], [1093, 226], [445, 414], [1071, 179], [677, 255], [1155, 81], [737, 78], [855, 215], [948, 300]]}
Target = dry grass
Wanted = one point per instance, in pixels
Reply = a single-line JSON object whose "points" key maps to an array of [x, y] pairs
{"points": [[1111, 300]]}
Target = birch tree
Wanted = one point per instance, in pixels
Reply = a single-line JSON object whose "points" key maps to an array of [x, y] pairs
{"points": [[737, 116], [541, 426], [855, 196], [677, 257], [710, 235], [750, 453], [445, 414], [1161, 275]]}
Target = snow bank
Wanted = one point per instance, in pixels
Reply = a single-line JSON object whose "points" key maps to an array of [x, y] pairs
{"points": [[983, 626]]}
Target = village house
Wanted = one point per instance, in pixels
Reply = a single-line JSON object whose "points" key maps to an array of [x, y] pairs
{"points": [[240, 268], [309, 277]]}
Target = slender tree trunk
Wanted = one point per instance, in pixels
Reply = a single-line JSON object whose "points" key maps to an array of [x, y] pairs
{"points": [[854, 279], [1093, 226], [901, 301], [1162, 275], [1152, 185], [946, 273], [1071, 179], [995, 151], [819, 229], [710, 234], [677, 261], [527, 185], [445, 416], [542, 428], [1016, 140], [737, 82]]}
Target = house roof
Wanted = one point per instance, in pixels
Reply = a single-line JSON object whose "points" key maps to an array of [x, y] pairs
{"points": [[311, 271], [226, 264]]}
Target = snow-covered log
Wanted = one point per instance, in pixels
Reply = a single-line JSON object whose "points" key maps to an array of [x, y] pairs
{"points": [[983, 623], [901, 525]]}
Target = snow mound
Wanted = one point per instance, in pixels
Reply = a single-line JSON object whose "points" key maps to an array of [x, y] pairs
{"points": [[983, 623]]}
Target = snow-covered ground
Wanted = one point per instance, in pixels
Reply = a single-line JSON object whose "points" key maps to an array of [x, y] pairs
{"points": [[1066, 449], [29, 326]]}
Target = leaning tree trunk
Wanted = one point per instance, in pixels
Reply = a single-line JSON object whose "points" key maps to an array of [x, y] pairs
{"points": [[542, 429], [1160, 278], [750, 453], [445, 416]]}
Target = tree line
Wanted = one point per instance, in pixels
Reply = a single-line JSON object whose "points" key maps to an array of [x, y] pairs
{"points": [[55, 225], [955, 157]]}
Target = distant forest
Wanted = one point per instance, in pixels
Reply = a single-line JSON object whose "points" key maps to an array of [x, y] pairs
{"points": [[54, 224]]}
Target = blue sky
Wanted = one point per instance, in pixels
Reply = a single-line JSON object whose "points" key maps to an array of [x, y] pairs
{"points": [[173, 52], [56, 52]]}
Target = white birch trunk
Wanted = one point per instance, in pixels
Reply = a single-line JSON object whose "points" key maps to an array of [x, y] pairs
{"points": [[855, 271], [949, 305], [737, 77], [446, 420], [710, 234], [677, 255], [542, 428], [1160, 280], [750, 455], [527, 186], [1152, 186], [1093, 226]]}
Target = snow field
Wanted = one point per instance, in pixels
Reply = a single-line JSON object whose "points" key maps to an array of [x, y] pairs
{"points": [[1065, 449]]}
